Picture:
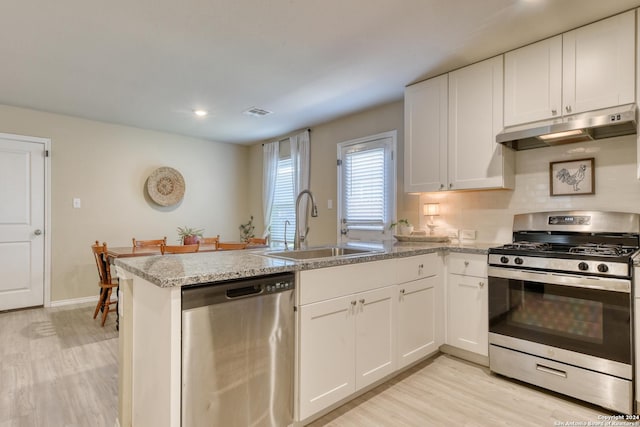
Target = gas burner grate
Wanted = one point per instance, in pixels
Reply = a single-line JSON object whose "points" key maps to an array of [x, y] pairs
{"points": [[529, 246], [599, 249]]}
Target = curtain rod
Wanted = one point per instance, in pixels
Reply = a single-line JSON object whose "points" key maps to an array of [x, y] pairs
{"points": [[286, 137]]}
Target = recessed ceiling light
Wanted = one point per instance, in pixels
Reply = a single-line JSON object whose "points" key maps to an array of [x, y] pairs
{"points": [[200, 113]]}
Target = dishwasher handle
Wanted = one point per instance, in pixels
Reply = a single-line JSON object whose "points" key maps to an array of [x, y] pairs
{"points": [[244, 291], [231, 290]]}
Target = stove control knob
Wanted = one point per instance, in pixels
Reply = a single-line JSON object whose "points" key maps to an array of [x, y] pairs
{"points": [[518, 261], [583, 266], [603, 268], [504, 260]]}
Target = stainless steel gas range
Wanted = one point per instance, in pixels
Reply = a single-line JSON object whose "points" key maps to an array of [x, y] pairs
{"points": [[560, 304]]}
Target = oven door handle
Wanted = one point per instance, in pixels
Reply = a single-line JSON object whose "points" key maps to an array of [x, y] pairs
{"points": [[590, 282]]}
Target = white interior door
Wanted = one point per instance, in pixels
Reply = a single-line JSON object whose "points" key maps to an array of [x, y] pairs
{"points": [[22, 214]]}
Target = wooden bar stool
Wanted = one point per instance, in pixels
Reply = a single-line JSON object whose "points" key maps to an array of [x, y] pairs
{"points": [[141, 243], [179, 249], [210, 240], [106, 283], [222, 246]]}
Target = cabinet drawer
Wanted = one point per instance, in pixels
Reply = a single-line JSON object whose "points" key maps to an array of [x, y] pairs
{"points": [[467, 264], [333, 282], [417, 267]]}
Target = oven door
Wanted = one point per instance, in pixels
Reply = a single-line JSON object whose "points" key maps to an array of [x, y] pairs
{"points": [[587, 315]]}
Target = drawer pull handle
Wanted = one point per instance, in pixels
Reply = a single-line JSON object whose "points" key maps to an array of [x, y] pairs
{"points": [[551, 371], [362, 301], [353, 302], [481, 284], [402, 291], [466, 263]]}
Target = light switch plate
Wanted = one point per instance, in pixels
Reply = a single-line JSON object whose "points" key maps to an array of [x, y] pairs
{"points": [[329, 204], [468, 234], [77, 204]]}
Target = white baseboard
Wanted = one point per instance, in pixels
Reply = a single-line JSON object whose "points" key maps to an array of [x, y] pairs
{"points": [[59, 303]]}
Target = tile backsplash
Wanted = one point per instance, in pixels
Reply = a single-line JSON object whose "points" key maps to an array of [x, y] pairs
{"points": [[491, 212]]}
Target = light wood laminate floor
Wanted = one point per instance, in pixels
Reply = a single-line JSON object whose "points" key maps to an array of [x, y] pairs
{"points": [[447, 391], [58, 367]]}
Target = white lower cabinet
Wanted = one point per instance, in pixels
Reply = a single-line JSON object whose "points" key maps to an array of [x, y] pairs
{"points": [[360, 323], [346, 343], [420, 323], [467, 303], [420, 307], [327, 354]]}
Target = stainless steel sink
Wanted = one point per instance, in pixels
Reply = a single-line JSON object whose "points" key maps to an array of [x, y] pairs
{"points": [[316, 253]]}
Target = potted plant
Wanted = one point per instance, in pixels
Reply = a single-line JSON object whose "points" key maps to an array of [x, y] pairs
{"points": [[189, 236], [404, 227], [247, 230]]}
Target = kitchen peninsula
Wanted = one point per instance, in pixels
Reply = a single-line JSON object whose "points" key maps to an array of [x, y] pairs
{"points": [[150, 324]]}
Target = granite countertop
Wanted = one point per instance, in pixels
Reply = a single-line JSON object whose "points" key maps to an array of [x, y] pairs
{"points": [[205, 267]]}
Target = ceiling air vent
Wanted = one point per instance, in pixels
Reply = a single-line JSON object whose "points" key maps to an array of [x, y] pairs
{"points": [[257, 112]]}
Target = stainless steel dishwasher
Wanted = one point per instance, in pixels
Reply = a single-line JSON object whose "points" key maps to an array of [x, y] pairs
{"points": [[237, 353]]}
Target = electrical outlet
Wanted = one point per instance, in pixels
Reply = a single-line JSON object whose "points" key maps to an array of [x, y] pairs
{"points": [[468, 235], [77, 204], [453, 233]]}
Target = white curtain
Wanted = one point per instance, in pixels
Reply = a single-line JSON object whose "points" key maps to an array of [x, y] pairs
{"points": [[301, 173], [271, 155]]}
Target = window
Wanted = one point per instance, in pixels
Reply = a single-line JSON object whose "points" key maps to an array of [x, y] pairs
{"points": [[366, 187], [283, 203]]}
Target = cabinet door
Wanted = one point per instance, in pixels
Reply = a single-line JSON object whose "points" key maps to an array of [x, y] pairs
{"points": [[599, 64], [467, 315], [475, 118], [375, 335], [425, 151], [327, 353], [533, 82], [420, 320]]}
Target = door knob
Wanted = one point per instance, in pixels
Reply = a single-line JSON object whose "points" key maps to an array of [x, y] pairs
{"points": [[37, 232]]}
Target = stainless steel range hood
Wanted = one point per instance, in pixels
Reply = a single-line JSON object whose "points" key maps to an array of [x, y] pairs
{"points": [[597, 124]]}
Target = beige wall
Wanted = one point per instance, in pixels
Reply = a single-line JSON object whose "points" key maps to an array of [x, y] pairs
{"points": [[323, 184], [106, 166]]}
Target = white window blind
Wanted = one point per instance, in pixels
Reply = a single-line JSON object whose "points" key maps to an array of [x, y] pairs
{"points": [[364, 189], [283, 203]]}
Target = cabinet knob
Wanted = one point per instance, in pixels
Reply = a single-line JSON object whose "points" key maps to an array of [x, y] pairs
{"points": [[450, 185], [568, 108], [466, 263], [362, 301], [402, 291], [554, 112], [37, 232], [481, 284], [441, 186], [353, 302]]}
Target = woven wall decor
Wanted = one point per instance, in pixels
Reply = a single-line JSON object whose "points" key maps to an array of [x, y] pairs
{"points": [[166, 186]]}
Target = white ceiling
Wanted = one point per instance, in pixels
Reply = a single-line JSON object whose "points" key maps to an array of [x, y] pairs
{"points": [[150, 63]]}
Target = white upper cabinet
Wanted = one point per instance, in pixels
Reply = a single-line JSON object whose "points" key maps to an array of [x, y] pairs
{"points": [[533, 82], [451, 122], [599, 64], [475, 160], [425, 153], [585, 69]]}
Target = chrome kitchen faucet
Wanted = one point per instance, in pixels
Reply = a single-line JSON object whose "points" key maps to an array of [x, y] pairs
{"points": [[314, 213]]}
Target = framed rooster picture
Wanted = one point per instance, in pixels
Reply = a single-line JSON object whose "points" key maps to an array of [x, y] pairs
{"points": [[574, 177]]}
